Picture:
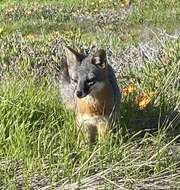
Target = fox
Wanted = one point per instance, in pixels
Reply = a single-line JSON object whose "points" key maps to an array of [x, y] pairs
{"points": [[88, 86]]}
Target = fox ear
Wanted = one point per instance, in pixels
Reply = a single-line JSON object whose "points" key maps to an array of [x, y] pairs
{"points": [[99, 58], [72, 56]]}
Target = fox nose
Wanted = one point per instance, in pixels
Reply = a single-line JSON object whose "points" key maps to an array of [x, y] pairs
{"points": [[79, 94]]}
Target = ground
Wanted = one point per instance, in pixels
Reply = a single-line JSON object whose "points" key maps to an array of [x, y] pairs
{"points": [[40, 147]]}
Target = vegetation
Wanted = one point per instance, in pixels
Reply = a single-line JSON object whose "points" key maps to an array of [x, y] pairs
{"points": [[40, 147]]}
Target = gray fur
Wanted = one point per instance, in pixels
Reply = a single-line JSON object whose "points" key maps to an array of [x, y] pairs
{"points": [[82, 69]]}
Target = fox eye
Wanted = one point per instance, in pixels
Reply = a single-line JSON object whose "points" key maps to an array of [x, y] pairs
{"points": [[91, 81]]}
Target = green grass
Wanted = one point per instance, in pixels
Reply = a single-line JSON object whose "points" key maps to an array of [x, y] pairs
{"points": [[39, 142]]}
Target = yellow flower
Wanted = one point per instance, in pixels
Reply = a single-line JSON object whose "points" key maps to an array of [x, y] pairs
{"points": [[44, 49], [143, 100], [129, 89], [30, 37], [55, 33], [125, 3]]}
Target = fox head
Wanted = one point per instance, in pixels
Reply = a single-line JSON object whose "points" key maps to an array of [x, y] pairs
{"points": [[88, 73]]}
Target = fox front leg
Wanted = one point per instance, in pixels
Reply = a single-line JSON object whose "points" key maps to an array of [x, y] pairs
{"points": [[96, 132], [89, 133]]}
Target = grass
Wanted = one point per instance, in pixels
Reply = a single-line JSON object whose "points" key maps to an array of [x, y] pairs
{"points": [[40, 147]]}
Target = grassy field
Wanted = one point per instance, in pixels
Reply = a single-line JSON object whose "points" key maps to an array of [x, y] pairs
{"points": [[40, 147]]}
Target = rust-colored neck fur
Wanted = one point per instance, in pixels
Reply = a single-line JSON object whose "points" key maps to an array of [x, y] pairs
{"points": [[100, 104]]}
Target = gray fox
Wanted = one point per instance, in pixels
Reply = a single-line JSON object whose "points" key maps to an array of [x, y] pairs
{"points": [[87, 84]]}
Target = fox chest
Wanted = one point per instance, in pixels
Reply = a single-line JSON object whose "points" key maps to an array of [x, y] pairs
{"points": [[92, 106], [91, 110]]}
